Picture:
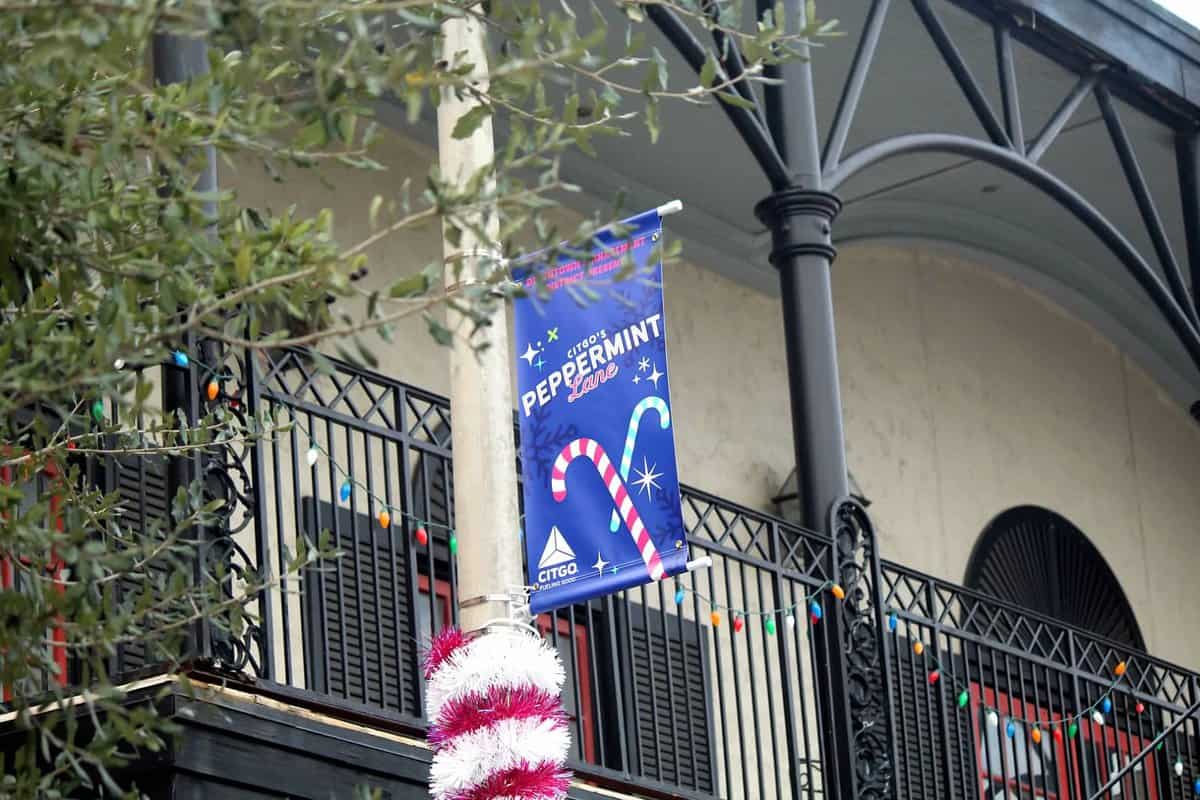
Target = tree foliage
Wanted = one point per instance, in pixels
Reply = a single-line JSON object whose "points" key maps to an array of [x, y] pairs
{"points": [[117, 258]]}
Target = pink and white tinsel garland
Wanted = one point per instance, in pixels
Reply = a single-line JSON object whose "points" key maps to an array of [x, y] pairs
{"points": [[497, 724]]}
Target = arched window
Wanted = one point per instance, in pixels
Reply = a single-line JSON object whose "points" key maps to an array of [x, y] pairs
{"points": [[1037, 559]]}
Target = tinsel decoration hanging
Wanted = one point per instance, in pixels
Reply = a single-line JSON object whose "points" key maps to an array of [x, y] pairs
{"points": [[497, 724]]}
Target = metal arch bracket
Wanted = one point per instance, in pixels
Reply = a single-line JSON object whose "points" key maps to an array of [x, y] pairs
{"points": [[747, 122], [1053, 187]]}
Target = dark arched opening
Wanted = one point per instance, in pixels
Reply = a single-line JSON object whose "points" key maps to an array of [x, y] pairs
{"points": [[1035, 558]]}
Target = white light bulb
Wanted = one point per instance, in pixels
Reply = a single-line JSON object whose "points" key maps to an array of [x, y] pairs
{"points": [[791, 620], [1178, 768], [312, 455], [1097, 717], [993, 719], [119, 364]]}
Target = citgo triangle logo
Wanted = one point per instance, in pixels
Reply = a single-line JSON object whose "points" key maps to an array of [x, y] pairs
{"points": [[557, 550], [558, 559]]}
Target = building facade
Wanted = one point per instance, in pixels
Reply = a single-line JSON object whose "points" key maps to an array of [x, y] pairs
{"points": [[980, 419]]}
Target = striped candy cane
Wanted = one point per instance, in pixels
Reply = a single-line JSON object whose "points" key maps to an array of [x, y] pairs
{"points": [[635, 419], [616, 489]]}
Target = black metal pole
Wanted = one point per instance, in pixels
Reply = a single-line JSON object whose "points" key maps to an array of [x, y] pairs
{"points": [[800, 218], [800, 221], [178, 59]]}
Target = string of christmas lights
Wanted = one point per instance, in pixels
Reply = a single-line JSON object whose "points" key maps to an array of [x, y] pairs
{"points": [[739, 615], [1097, 711], [313, 454]]}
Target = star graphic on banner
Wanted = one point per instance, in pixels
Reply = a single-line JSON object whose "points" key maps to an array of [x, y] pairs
{"points": [[636, 379], [644, 364], [654, 376], [600, 564], [647, 477], [552, 335], [539, 363], [530, 354]]}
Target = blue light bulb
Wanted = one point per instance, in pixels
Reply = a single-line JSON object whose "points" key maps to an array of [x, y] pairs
{"points": [[344, 492], [1106, 705], [180, 358], [814, 610], [892, 622], [1010, 729], [679, 596]]}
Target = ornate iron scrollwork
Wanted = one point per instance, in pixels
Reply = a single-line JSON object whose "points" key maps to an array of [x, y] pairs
{"points": [[856, 565], [228, 471]]}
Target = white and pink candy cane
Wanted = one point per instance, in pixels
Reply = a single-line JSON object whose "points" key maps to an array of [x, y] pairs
{"points": [[590, 448], [635, 420]]}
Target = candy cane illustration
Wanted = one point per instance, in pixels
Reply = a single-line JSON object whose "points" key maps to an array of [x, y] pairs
{"points": [[590, 448], [635, 419]]}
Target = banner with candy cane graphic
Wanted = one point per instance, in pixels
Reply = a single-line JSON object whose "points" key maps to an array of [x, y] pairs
{"points": [[593, 387]]}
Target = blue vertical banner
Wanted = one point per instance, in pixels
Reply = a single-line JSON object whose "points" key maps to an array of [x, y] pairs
{"points": [[601, 487]]}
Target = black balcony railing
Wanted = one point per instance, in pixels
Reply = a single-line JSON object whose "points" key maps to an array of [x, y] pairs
{"points": [[1044, 674], [660, 695]]}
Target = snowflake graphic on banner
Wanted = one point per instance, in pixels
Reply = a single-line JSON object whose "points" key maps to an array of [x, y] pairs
{"points": [[631, 314], [668, 502], [542, 443]]}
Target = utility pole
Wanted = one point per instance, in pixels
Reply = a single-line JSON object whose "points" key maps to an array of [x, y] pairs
{"points": [[485, 478]]}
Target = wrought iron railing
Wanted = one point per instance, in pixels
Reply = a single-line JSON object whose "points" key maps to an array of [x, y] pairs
{"points": [[662, 696], [1049, 679]]}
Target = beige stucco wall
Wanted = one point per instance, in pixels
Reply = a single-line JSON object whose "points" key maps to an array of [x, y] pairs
{"points": [[964, 394]]}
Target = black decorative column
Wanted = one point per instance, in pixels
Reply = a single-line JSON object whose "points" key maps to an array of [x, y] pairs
{"points": [[800, 218], [801, 222], [855, 714], [178, 59]]}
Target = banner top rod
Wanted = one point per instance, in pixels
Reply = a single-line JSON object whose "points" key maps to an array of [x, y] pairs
{"points": [[673, 207]]}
